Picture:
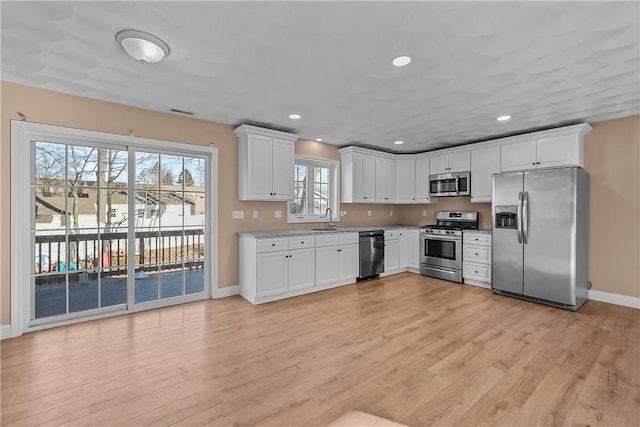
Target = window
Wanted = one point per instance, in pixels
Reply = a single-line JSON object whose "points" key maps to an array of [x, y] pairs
{"points": [[315, 189]]}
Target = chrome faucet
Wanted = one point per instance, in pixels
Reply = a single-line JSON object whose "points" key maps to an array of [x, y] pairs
{"points": [[332, 224]]}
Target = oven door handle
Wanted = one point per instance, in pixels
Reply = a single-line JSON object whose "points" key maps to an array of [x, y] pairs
{"points": [[519, 219], [442, 239], [457, 184]]}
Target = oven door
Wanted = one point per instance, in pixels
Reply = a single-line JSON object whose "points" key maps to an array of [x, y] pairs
{"points": [[441, 251]]}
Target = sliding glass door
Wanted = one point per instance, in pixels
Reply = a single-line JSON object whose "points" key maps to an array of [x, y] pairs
{"points": [[115, 228]]}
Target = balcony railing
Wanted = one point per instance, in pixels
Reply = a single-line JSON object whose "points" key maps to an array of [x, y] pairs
{"points": [[58, 254]]}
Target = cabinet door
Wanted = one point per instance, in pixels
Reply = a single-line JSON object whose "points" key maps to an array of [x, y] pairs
{"points": [[349, 262], [405, 181], [460, 162], [403, 248], [369, 179], [517, 156], [385, 180], [283, 160], [271, 273], [439, 164], [414, 249], [390, 255], [259, 168], [559, 151], [302, 268], [484, 163], [328, 265], [422, 180]]}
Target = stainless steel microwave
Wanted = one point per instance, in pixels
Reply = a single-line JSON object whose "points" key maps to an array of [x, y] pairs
{"points": [[450, 184]]}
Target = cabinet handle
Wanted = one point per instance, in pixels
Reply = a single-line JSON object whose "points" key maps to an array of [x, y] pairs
{"points": [[302, 243], [273, 244], [533, 163], [537, 163], [476, 254], [476, 238], [476, 271]]}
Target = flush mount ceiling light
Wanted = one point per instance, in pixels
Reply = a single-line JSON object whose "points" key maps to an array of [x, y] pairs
{"points": [[143, 47], [398, 142], [294, 116], [503, 118], [401, 61]]}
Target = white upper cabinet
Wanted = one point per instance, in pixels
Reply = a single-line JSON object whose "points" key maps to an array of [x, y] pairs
{"points": [[422, 180], [484, 163], [405, 180], [518, 156], [547, 151], [265, 163], [458, 161], [367, 176], [385, 181]]}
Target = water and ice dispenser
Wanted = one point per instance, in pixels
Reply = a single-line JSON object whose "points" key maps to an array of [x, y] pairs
{"points": [[506, 217]]}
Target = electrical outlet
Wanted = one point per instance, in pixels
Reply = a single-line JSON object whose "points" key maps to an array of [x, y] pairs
{"points": [[237, 215], [369, 213], [343, 213], [424, 212], [277, 214], [391, 212], [255, 214]]}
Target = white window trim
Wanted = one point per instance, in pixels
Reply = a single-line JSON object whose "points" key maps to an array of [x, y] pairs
{"points": [[22, 133], [335, 192]]}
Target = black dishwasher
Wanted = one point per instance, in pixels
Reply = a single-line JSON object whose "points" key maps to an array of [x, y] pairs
{"points": [[371, 253]]}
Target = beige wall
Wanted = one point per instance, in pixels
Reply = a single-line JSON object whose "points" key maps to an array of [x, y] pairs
{"points": [[611, 158]]}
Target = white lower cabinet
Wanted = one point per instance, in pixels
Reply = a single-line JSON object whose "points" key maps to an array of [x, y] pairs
{"points": [[391, 255], [401, 252], [274, 268], [476, 258], [337, 258]]}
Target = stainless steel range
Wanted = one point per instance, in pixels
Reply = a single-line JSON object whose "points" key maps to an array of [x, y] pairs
{"points": [[441, 244]]}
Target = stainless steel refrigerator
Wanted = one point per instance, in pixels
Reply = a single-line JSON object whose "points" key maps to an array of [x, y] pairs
{"points": [[540, 236]]}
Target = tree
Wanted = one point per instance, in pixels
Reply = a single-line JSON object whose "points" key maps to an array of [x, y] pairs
{"points": [[167, 178], [186, 178]]}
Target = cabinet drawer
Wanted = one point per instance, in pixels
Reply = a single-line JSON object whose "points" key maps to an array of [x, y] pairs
{"points": [[476, 238], [475, 271], [332, 239], [302, 242], [349, 238], [478, 254], [272, 245], [390, 235]]}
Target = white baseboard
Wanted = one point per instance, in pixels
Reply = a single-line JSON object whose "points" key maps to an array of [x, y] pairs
{"points": [[5, 332], [617, 299], [226, 292], [477, 283]]}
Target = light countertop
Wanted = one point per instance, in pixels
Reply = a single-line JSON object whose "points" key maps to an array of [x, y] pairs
{"points": [[302, 231]]}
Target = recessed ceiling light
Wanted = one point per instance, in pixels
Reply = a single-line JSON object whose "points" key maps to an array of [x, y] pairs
{"points": [[503, 118], [398, 142], [143, 47], [401, 61], [319, 139], [294, 116]]}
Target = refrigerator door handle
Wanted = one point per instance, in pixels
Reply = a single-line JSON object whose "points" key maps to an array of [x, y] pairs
{"points": [[457, 184], [525, 217], [519, 219]]}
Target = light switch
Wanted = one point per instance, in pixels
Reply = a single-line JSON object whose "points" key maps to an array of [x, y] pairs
{"points": [[255, 214], [237, 215], [391, 212], [277, 214], [369, 213], [343, 213], [424, 212]]}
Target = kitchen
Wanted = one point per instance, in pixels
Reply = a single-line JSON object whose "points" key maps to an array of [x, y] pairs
{"points": [[610, 157]]}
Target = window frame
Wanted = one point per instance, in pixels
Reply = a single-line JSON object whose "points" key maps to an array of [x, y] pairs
{"points": [[22, 153], [334, 190]]}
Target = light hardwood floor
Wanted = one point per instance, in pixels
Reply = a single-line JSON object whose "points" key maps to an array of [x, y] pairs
{"points": [[411, 349]]}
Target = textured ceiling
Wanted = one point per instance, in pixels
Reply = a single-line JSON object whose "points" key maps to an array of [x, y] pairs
{"points": [[544, 63]]}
